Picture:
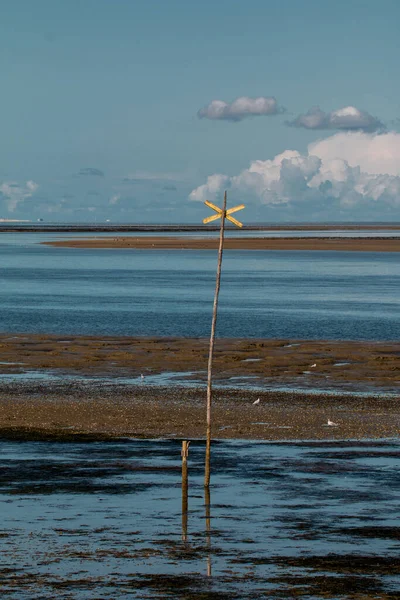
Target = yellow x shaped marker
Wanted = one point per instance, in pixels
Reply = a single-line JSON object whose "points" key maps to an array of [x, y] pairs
{"points": [[220, 214]]}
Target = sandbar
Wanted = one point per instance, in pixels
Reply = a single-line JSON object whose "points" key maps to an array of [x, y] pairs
{"points": [[356, 244]]}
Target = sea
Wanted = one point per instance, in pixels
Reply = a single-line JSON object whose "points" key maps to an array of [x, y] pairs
{"points": [[264, 294]]}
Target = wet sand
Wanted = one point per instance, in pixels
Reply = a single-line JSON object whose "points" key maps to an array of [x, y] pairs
{"points": [[77, 410], [365, 366], [372, 244], [106, 407]]}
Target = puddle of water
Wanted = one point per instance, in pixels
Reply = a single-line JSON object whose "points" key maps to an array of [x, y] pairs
{"points": [[341, 364], [291, 345], [251, 359], [6, 362]]}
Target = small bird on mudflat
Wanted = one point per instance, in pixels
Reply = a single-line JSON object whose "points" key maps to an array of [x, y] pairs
{"points": [[332, 424], [314, 365], [257, 401]]}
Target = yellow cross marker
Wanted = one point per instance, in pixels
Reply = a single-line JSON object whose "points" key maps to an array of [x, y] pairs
{"points": [[220, 214]]}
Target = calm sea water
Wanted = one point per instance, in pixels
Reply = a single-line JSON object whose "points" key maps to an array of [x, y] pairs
{"points": [[312, 295]]}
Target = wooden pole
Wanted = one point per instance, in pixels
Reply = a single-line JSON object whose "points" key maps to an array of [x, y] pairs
{"points": [[211, 349], [185, 486]]}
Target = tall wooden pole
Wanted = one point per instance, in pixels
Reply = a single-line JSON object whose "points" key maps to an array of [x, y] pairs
{"points": [[211, 349]]}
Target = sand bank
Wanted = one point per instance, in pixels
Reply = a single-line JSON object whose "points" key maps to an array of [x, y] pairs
{"points": [[70, 409], [238, 243]]}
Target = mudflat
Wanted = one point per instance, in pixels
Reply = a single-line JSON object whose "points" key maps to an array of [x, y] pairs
{"points": [[103, 406], [356, 244], [73, 410]]}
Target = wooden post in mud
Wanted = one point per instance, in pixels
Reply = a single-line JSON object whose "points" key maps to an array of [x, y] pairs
{"points": [[185, 486], [221, 214]]}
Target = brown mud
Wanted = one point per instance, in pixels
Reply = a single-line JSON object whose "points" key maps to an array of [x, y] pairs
{"points": [[373, 244], [74, 410], [306, 363]]}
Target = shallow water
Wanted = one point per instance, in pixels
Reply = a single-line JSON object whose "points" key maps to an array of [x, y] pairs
{"points": [[195, 380], [305, 295], [104, 520]]}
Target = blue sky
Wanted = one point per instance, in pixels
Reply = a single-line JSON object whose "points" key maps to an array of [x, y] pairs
{"points": [[101, 98]]}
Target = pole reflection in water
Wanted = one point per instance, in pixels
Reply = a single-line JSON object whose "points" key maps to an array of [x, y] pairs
{"points": [[207, 503], [185, 486]]}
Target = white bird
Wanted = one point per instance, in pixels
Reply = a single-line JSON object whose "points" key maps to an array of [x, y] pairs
{"points": [[331, 423], [257, 401], [141, 376], [314, 365]]}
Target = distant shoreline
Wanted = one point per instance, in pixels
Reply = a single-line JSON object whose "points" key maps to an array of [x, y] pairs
{"points": [[370, 244], [8, 227]]}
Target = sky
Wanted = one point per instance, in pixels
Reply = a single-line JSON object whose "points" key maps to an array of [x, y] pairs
{"points": [[139, 110]]}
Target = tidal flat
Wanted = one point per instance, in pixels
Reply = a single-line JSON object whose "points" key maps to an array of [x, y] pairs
{"points": [[356, 244], [149, 387], [91, 487]]}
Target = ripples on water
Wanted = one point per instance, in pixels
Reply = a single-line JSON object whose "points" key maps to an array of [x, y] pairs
{"points": [[311, 295], [104, 520]]}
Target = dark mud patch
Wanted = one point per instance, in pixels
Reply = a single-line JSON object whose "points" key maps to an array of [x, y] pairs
{"points": [[326, 586], [31, 434], [351, 564], [45, 477], [182, 587], [374, 532]]}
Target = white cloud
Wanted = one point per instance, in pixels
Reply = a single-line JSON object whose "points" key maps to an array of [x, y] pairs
{"points": [[240, 108], [372, 153], [344, 171], [348, 118], [215, 183], [14, 193]]}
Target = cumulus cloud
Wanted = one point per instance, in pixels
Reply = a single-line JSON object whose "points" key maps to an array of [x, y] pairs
{"points": [[91, 171], [240, 108], [348, 118], [211, 189], [14, 193], [344, 171]]}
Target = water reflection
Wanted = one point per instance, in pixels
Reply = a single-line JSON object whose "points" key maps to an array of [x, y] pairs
{"points": [[185, 489], [207, 504]]}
